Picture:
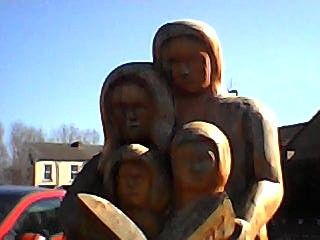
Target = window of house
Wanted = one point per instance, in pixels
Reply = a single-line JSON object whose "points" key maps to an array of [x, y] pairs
{"points": [[290, 154], [74, 171], [48, 172]]}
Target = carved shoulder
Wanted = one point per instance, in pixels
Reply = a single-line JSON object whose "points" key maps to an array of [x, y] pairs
{"points": [[263, 136], [253, 108]]}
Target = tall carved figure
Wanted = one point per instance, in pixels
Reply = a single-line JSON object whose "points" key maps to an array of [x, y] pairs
{"points": [[189, 54]]}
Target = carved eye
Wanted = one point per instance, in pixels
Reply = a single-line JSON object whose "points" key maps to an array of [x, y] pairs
{"points": [[172, 60], [167, 69], [117, 110]]}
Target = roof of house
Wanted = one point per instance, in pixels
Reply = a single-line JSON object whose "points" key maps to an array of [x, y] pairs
{"points": [[63, 151], [314, 120], [286, 133], [302, 139], [306, 141], [290, 132]]}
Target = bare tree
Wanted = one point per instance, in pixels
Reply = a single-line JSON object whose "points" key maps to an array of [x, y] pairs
{"points": [[20, 135], [66, 134], [4, 159], [70, 133], [90, 136], [21, 169]]}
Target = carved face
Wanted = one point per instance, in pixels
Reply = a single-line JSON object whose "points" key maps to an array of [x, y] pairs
{"points": [[187, 61], [132, 112], [133, 184], [194, 168]]}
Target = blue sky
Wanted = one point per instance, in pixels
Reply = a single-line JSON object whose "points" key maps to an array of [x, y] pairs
{"points": [[54, 55]]}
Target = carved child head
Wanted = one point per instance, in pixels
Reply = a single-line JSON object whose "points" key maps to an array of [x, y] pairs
{"points": [[189, 53], [200, 159], [139, 178], [134, 179]]}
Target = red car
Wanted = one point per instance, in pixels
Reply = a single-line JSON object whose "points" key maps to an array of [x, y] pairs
{"points": [[26, 210]]}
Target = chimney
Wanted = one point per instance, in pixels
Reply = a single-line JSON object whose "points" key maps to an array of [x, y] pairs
{"points": [[76, 144]]}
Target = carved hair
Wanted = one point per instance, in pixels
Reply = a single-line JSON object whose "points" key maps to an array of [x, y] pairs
{"points": [[199, 131], [198, 30], [144, 76]]}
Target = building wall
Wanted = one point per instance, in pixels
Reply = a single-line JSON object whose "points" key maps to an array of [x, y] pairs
{"points": [[60, 172], [64, 171], [299, 214]]}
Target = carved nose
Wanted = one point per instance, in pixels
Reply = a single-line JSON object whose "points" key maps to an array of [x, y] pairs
{"points": [[184, 70], [199, 167], [131, 184], [131, 116]]}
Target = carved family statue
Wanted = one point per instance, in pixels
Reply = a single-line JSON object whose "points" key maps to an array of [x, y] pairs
{"points": [[182, 159]]}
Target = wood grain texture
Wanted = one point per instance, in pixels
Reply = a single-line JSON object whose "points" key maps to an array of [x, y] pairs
{"points": [[112, 217]]}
